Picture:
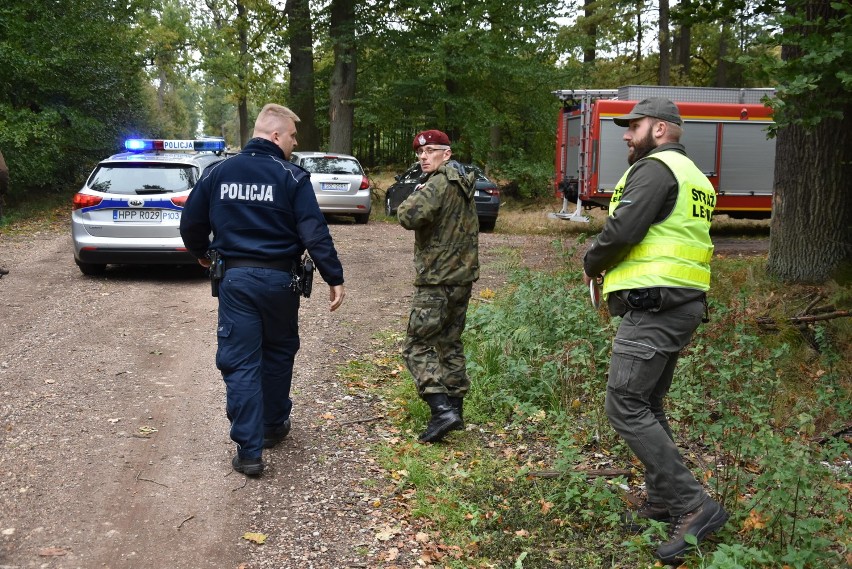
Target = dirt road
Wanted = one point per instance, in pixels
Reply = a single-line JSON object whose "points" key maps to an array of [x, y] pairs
{"points": [[114, 440], [114, 450]]}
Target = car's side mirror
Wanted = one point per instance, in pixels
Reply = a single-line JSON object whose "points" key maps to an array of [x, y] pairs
{"points": [[398, 177]]}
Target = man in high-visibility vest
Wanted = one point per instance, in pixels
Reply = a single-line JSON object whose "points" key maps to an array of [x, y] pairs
{"points": [[654, 255]]}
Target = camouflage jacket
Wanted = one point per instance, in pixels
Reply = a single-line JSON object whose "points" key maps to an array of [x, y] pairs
{"points": [[442, 213]]}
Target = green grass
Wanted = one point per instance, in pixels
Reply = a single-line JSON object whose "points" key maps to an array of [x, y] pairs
{"points": [[42, 213], [753, 409]]}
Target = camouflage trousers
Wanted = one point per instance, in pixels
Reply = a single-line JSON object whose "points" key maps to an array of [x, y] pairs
{"points": [[433, 349]]}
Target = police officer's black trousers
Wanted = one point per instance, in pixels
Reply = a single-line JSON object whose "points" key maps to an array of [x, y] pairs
{"points": [[258, 337]]}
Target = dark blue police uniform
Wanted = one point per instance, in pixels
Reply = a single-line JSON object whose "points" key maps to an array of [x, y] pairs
{"points": [[263, 214]]}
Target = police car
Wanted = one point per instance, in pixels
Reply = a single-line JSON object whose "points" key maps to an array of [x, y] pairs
{"points": [[128, 212]]}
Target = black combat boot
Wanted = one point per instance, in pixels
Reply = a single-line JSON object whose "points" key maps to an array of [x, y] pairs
{"points": [[458, 404], [275, 436], [444, 418]]}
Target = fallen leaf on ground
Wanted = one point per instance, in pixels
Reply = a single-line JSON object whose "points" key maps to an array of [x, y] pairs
{"points": [[258, 538], [392, 554], [755, 520], [386, 533]]}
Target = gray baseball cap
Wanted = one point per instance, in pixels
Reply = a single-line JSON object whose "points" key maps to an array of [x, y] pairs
{"points": [[657, 107]]}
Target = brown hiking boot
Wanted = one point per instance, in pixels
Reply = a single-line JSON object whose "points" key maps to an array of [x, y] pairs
{"points": [[700, 522], [632, 520]]}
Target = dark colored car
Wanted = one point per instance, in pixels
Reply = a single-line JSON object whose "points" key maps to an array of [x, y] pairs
{"points": [[487, 194]]}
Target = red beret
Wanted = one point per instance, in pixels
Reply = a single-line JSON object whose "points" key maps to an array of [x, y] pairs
{"points": [[430, 137]]}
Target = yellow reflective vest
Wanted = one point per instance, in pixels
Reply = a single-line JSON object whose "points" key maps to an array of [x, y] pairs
{"points": [[676, 251]]}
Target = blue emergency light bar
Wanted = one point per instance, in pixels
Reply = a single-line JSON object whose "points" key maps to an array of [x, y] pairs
{"points": [[148, 144]]}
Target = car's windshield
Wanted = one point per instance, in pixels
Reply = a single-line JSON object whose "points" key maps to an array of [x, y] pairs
{"points": [[142, 178], [325, 165]]}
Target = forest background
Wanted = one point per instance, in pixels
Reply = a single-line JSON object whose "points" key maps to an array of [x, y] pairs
{"points": [[79, 76], [771, 434]]}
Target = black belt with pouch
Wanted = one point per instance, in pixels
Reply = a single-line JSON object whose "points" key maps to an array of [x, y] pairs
{"points": [[644, 298], [302, 274]]}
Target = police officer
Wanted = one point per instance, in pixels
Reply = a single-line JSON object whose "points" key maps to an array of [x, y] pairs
{"points": [[442, 213], [263, 214], [655, 251]]}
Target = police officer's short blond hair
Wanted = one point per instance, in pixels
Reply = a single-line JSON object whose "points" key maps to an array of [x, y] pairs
{"points": [[270, 118]]}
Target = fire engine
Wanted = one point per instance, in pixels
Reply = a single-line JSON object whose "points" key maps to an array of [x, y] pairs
{"points": [[725, 134]]}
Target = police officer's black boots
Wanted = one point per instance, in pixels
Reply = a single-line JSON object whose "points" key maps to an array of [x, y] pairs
{"points": [[444, 419], [458, 404], [275, 436]]}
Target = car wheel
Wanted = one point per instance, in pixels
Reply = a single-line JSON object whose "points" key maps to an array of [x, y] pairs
{"points": [[362, 218], [487, 224], [91, 269]]}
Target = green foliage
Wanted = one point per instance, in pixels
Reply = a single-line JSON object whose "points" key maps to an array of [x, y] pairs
{"points": [[482, 71], [485, 78], [172, 93], [753, 411], [65, 101], [241, 45], [814, 81]]}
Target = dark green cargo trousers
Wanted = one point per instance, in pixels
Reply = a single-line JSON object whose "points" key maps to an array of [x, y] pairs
{"points": [[433, 350], [644, 356]]}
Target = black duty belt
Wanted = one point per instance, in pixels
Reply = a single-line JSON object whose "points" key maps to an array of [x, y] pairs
{"points": [[285, 265]]}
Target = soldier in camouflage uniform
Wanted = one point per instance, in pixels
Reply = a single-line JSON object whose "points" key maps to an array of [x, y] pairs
{"points": [[442, 213]]}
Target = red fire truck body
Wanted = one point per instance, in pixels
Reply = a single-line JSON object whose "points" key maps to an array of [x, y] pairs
{"points": [[724, 134]]}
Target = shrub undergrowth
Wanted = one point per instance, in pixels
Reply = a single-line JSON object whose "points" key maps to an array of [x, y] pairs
{"points": [[758, 415]]}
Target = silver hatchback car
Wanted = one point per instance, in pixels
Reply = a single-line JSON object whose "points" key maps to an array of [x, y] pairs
{"points": [[128, 211], [339, 183]]}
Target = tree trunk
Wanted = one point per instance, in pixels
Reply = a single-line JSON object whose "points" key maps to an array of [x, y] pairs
{"points": [[242, 104], [161, 91], [639, 6], [811, 237], [683, 57], [665, 48], [495, 138], [302, 99], [590, 27], [342, 89]]}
